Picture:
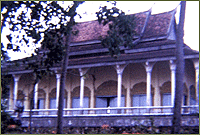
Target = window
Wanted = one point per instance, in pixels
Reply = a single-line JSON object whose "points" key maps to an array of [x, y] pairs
{"points": [[52, 103], [192, 101], [139, 100], [41, 104], [76, 102], [19, 103], [166, 99], [101, 102], [184, 100], [110, 101]]}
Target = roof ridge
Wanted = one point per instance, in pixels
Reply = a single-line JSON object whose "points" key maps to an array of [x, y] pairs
{"points": [[142, 12], [171, 11], [144, 27]]}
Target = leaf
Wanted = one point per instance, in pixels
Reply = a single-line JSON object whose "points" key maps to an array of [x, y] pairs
{"points": [[17, 49], [25, 40], [10, 46], [9, 37]]}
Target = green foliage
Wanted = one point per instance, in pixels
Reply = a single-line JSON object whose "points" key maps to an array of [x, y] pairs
{"points": [[33, 19], [121, 29], [4, 55], [5, 83], [6, 119]]}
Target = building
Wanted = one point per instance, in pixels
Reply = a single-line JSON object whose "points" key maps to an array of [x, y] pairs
{"points": [[141, 81]]}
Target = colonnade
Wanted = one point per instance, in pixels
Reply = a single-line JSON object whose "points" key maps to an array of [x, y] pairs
{"points": [[119, 69]]}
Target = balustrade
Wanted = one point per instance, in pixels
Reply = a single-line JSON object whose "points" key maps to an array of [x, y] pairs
{"points": [[146, 110]]}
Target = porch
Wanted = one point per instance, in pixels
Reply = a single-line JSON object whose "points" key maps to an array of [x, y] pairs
{"points": [[110, 111], [114, 116]]}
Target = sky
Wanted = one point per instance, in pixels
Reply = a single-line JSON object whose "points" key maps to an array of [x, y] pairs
{"points": [[88, 9]]}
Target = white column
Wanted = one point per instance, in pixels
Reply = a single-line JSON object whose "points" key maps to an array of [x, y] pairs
{"points": [[197, 85], [196, 65], [157, 96], [81, 90], [149, 67], [92, 99], [69, 99], [57, 88], [15, 89], [119, 89], [47, 101], [35, 95], [173, 80], [82, 73], [128, 99], [120, 69], [128, 90]]}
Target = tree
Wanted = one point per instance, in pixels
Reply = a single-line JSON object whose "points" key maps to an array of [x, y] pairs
{"points": [[179, 72], [35, 20], [121, 29], [29, 20]]}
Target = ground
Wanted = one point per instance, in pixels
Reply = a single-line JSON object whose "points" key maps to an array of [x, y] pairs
{"points": [[105, 129]]}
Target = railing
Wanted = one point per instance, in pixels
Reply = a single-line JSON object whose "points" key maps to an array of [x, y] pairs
{"points": [[146, 110]]}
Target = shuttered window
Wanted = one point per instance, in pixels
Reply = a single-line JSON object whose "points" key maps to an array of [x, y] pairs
{"points": [[76, 102], [139, 100], [166, 99], [41, 104]]}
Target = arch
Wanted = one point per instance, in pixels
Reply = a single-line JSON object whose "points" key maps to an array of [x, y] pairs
{"points": [[76, 97], [140, 88], [165, 91], [192, 95], [20, 98], [138, 94], [106, 95], [108, 88], [20, 95], [192, 91], [41, 98], [53, 92], [76, 91], [166, 87], [52, 98], [41, 93]]}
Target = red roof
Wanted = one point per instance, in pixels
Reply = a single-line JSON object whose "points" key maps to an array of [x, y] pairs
{"points": [[157, 25]]}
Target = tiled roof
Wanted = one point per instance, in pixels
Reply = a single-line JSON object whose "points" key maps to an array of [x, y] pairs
{"points": [[89, 31], [157, 25]]}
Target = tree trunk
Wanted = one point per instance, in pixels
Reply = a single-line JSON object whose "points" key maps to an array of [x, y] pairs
{"points": [[66, 41], [62, 88], [31, 98], [179, 72]]}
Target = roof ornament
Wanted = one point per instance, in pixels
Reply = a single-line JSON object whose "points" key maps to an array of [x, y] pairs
{"points": [[145, 24], [176, 12]]}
